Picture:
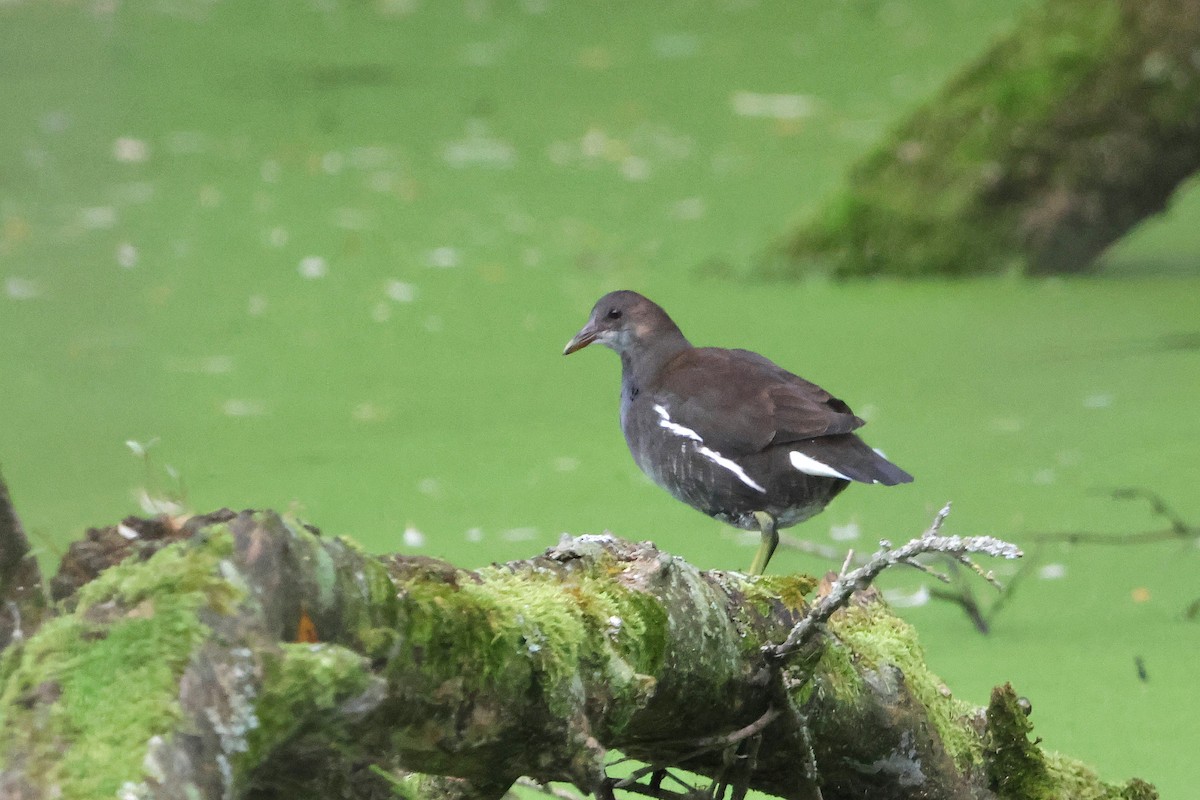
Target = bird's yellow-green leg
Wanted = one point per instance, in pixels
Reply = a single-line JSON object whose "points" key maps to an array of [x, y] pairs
{"points": [[770, 540]]}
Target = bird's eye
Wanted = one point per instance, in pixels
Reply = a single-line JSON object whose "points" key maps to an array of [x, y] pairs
{"points": [[613, 313]]}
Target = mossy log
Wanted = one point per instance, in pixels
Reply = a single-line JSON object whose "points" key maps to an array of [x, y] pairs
{"points": [[1072, 129], [244, 655]]}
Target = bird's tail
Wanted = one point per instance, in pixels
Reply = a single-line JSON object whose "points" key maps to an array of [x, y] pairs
{"points": [[849, 457]]}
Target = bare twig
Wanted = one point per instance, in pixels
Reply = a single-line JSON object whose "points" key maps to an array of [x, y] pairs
{"points": [[729, 739], [706, 745], [827, 552], [847, 583], [800, 721], [1193, 609], [1178, 528]]}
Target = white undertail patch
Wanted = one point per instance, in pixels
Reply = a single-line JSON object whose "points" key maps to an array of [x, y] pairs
{"points": [[810, 466]]}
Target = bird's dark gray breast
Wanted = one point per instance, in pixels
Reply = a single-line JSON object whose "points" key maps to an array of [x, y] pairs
{"points": [[728, 488]]}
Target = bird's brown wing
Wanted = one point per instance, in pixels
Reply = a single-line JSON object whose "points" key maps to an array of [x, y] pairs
{"points": [[739, 402]]}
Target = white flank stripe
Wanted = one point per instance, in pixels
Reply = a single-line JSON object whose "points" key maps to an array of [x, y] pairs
{"points": [[732, 466], [674, 427], [810, 466]]}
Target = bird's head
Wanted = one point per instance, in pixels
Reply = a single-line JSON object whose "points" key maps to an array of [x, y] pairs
{"points": [[622, 321]]}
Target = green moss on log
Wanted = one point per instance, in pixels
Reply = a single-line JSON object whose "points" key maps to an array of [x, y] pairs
{"points": [[1068, 132], [304, 687], [107, 674], [878, 638], [1018, 769], [531, 626]]}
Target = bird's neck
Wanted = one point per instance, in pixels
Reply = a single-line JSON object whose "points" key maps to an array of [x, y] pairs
{"points": [[641, 364]]}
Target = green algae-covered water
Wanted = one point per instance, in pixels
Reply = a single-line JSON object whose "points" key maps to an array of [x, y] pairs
{"points": [[324, 256]]}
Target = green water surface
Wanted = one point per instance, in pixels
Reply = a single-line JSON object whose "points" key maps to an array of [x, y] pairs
{"points": [[325, 255]]}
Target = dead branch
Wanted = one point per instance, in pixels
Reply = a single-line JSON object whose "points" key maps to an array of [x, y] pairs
{"points": [[848, 582]]}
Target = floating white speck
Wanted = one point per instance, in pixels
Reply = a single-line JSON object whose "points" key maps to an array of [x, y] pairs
{"points": [[1044, 477], [413, 537], [743, 538], [240, 407], [474, 535], [772, 106], [480, 54], [98, 217], [689, 208], [1098, 400], [276, 237], [21, 288], [560, 153], [429, 486], [443, 257], [1052, 572], [479, 148], [400, 292], [370, 157], [1008, 424], [186, 142], [56, 122], [256, 305], [381, 312], [670, 46], [210, 196], [433, 324], [134, 192], [129, 150], [126, 531], [810, 466], [127, 255], [332, 162], [351, 219], [216, 365], [594, 143], [635, 168], [270, 171], [845, 533], [140, 449], [381, 181], [566, 464], [37, 157], [367, 412], [313, 268], [518, 534], [899, 598], [1068, 458]]}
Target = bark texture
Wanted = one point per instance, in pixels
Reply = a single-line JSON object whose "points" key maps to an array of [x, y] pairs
{"points": [[177, 674], [22, 596], [1066, 134]]}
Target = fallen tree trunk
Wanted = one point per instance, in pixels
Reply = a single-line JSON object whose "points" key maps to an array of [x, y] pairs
{"points": [[1067, 133], [178, 674]]}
